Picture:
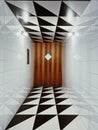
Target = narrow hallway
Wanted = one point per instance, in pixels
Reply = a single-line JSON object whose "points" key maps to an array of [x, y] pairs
{"points": [[47, 108]]}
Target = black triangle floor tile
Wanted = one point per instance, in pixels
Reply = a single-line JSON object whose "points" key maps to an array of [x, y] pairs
{"points": [[34, 90], [45, 94], [18, 119], [58, 94], [25, 107], [46, 90], [58, 100], [64, 120], [29, 99], [61, 108], [32, 94], [42, 100], [41, 119], [57, 90], [43, 107]]}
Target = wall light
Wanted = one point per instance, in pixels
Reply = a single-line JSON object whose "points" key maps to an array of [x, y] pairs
{"points": [[25, 17], [73, 34], [22, 33]]}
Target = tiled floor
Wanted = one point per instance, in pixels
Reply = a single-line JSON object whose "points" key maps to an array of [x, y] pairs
{"points": [[47, 108]]}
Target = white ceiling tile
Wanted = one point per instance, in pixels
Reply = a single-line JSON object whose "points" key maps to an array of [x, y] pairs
{"points": [[52, 28], [77, 6], [33, 27], [25, 5], [52, 20], [67, 28]]}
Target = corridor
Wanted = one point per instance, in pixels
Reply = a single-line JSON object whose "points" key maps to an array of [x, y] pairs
{"points": [[48, 64]]}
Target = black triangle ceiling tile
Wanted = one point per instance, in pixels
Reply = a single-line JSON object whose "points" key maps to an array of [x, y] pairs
{"points": [[41, 11], [43, 108], [45, 30], [58, 100], [25, 107], [59, 38], [26, 23], [66, 11], [34, 35], [58, 35], [17, 11], [60, 30], [46, 38], [41, 120], [61, 108], [64, 120], [18, 119], [30, 30], [43, 34], [44, 22], [35, 39], [42, 100], [61, 22]]}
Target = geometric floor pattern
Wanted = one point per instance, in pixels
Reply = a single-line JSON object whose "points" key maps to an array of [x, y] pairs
{"points": [[46, 108]]}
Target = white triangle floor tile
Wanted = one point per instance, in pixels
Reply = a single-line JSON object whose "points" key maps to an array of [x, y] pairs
{"points": [[49, 96], [35, 96], [30, 111], [37, 91], [49, 91], [76, 124], [52, 102], [65, 102], [25, 125], [52, 124], [63, 96], [32, 102], [49, 111]]}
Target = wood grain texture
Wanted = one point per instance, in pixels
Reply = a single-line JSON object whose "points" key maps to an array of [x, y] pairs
{"points": [[48, 72]]}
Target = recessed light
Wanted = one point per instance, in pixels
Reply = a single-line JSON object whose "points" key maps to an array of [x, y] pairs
{"points": [[73, 34], [48, 56], [70, 34], [25, 34]]}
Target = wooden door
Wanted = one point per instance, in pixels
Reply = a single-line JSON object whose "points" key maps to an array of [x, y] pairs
{"points": [[48, 72]]}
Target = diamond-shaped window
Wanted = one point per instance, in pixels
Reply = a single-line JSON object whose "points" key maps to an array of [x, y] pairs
{"points": [[48, 56]]}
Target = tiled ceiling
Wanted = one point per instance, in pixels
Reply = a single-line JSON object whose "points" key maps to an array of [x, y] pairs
{"points": [[48, 21]]}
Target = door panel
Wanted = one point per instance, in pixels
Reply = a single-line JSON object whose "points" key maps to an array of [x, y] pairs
{"points": [[48, 72]]}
